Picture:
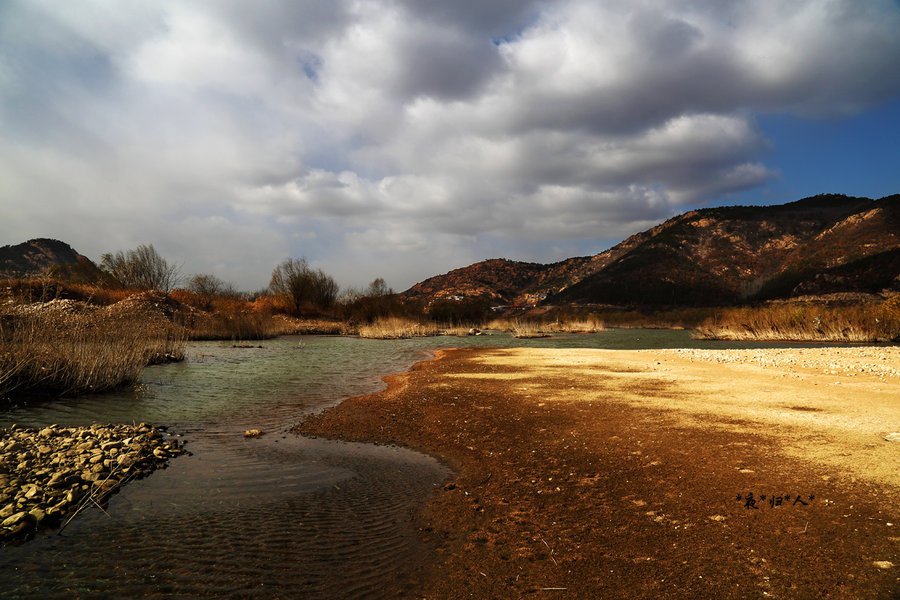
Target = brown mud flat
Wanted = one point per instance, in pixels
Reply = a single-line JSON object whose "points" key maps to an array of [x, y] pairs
{"points": [[629, 474]]}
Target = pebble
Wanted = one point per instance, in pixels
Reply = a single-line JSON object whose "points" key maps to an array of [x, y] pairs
{"points": [[879, 361], [46, 473]]}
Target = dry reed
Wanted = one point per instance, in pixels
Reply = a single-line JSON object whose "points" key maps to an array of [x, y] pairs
{"points": [[318, 327], [806, 322], [528, 328], [393, 328], [236, 325], [58, 353], [459, 330]]}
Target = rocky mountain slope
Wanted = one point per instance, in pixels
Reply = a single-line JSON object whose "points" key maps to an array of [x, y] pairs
{"points": [[822, 244], [42, 255]]}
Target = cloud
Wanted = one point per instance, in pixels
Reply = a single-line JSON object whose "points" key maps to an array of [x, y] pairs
{"points": [[411, 134]]}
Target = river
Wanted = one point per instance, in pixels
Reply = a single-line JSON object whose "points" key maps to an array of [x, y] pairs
{"points": [[280, 516]]}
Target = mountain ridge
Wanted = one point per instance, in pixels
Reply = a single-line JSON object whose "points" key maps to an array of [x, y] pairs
{"points": [[709, 256], [36, 255]]}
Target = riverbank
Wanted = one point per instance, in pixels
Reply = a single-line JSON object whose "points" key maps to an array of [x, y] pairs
{"points": [[49, 475], [650, 474]]}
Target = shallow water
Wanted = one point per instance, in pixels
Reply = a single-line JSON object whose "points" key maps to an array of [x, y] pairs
{"points": [[278, 516]]}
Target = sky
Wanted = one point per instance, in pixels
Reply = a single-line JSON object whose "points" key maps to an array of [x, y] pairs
{"points": [[405, 138]]}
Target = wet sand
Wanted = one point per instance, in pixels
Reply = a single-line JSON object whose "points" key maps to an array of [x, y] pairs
{"points": [[650, 474]]}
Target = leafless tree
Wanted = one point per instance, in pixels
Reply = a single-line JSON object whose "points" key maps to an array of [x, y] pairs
{"points": [[305, 285], [142, 268], [207, 285], [378, 289]]}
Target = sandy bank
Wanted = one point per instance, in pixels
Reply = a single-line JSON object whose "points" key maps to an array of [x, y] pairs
{"points": [[650, 474]]}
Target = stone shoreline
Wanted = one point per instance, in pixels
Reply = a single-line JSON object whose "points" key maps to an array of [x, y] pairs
{"points": [[48, 475]]}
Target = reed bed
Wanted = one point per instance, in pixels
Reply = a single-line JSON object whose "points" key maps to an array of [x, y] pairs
{"points": [[394, 328], [237, 326], [58, 353], [806, 322], [317, 327], [528, 328], [459, 330], [589, 325]]}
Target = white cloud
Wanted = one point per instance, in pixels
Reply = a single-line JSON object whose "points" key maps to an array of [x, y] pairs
{"points": [[412, 134]]}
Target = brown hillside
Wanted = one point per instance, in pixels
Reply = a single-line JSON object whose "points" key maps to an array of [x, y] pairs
{"points": [[503, 281], [44, 255], [724, 255], [709, 256]]}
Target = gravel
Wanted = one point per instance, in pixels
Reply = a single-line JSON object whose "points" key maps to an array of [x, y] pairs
{"points": [[877, 361], [48, 475]]}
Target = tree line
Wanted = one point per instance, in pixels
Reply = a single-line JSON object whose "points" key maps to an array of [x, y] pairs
{"points": [[300, 289]]}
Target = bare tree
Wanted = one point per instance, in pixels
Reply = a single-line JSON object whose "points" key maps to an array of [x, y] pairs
{"points": [[306, 286], [378, 289], [325, 289], [142, 268], [207, 285]]}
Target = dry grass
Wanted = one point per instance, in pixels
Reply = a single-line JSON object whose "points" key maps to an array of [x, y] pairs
{"points": [[678, 318], [318, 327], [236, 325], [588, 325], [393, 328], [70, 351], [527, 328], [460, 330], [806, 322]]}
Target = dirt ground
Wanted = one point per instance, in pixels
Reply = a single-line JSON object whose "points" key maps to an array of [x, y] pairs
{"points": [[650, 474]]}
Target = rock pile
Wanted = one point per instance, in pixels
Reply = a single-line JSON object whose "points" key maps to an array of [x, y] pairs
{"points": [[47, 475]]}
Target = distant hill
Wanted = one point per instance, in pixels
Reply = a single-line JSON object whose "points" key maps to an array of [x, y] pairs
{"points": [[714, 256], [44, 255]]}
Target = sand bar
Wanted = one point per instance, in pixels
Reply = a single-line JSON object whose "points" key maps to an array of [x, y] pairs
{"points": [[650, 474]]}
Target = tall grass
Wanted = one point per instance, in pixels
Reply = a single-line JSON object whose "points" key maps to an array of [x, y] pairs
{"points": [[58, 353], [235, 325], [459, 330], [678, 318], [319, 327], [534, 328], [392, 328], [806, 322]]}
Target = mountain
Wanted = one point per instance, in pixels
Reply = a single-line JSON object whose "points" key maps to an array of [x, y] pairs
{"points": [[713, 256], [43, 255], [499, 279]]}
